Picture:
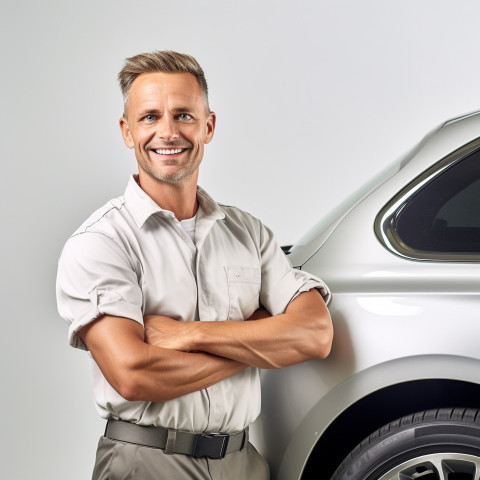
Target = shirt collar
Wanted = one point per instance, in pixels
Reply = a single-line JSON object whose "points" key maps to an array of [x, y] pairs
{"points": [[208, 205], [142, 207]]}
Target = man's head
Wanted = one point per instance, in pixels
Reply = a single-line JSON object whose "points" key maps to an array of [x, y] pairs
{"points": [[166, 118], [160, 61]]}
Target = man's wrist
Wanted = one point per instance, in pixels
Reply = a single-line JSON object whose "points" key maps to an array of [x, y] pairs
{"points": [[196, 336]]}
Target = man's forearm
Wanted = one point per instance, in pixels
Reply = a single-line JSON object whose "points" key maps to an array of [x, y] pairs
{"points": [[139, 371], [165, 376], [303, 332]]}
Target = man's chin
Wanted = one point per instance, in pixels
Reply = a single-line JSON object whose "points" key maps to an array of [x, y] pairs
{"points": [[172, 174], [172, 178]]}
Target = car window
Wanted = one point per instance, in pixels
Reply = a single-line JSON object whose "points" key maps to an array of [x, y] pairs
{"points": [[444, 215]]}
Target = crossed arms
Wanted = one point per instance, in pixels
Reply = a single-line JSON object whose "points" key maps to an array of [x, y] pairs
{"points": [[167, 358]]}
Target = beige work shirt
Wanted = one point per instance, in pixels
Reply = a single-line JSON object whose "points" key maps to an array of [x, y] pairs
{"points": [[131, 259]]}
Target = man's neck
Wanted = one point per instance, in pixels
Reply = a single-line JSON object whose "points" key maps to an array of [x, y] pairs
{"points": [[179, 198]]}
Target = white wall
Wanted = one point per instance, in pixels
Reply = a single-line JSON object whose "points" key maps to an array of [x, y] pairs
{"points": [[312, 98]]}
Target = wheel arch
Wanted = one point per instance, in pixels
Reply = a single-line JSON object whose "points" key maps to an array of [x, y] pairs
{"points": [[372, 398]]}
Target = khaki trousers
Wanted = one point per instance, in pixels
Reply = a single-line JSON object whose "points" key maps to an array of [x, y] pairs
{"points": [[126, 461]]}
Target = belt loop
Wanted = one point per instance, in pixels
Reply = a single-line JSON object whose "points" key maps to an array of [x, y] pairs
{"points": [[171, 437], [245, 438], [106, 428]]}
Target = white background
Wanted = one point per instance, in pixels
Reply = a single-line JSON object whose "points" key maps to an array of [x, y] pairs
{"points": [[312, 99]]}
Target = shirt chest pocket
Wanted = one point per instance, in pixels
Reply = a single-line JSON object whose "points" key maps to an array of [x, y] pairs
{"points": [[243, 291]]}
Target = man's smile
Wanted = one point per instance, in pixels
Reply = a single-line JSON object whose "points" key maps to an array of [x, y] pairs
{"points": [[169, 151]]}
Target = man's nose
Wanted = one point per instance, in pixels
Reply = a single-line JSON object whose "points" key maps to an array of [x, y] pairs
{"points": [[167, 128]]}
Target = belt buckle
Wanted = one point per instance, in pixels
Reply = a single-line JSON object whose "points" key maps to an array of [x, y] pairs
{"points": [[213, 445]]}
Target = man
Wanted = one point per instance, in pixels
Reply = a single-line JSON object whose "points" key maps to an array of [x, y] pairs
{"points": [[180, 300]]}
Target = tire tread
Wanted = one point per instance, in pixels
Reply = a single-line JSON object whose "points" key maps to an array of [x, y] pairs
{"points": [[460, 415]]}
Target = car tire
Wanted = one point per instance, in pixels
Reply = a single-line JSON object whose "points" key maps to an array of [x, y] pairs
{"points": [[431, 445]]}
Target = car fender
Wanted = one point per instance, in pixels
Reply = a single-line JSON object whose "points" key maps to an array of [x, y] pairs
{"points": [[359, 386]]}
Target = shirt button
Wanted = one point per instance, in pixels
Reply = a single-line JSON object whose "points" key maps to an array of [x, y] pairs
{"points": [[237, 274]]}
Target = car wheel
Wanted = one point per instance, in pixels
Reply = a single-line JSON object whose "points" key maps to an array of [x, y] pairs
{"points": [[431, 445]]}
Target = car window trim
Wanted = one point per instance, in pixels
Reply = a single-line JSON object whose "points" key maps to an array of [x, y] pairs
{"points": [[385, 225]]}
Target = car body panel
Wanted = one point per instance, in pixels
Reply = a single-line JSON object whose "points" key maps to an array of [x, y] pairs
{"points": [[395, 319]]}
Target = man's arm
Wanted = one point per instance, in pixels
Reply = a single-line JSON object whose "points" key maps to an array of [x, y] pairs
{"points": [[303, 332], [138, 371]]}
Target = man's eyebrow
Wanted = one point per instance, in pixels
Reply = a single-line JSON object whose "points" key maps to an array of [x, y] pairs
{"points": [[148, 111], [182, 109]]}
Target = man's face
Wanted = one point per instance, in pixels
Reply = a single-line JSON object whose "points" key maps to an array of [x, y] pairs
{"points": [[167, 123]]}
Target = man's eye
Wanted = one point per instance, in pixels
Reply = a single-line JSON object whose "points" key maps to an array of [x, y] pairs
{"points": [[184, 116], [149, 118]]}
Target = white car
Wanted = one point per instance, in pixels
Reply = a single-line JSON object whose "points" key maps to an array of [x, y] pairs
{"points": [[399, 396]]}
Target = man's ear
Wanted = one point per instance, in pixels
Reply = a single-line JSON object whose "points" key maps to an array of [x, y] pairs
{"points": [[211, 121], [125, 129]]}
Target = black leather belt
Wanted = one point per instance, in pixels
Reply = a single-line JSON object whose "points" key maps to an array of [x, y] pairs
{"points": [[215, 445]]}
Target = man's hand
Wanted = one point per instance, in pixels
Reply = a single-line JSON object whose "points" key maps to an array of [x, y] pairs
{"points": [[165, 332]]}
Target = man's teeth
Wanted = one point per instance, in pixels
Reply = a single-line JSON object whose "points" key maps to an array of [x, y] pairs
{"points": [[164, 151]]}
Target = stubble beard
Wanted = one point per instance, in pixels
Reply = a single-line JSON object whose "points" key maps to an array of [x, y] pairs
{"points": [[182, 175]]}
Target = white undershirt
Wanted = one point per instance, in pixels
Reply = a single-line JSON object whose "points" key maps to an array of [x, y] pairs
{"points": [[188, 226]]}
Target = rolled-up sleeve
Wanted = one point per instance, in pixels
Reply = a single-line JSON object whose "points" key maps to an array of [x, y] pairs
{"points": [[95, 277], [280, 282]]}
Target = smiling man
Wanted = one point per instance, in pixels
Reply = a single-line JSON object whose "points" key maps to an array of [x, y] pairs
{"points": [[177, 298]]}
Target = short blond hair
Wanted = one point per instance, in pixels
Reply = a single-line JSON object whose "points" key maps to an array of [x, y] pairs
{"points": [[165, 61]]}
